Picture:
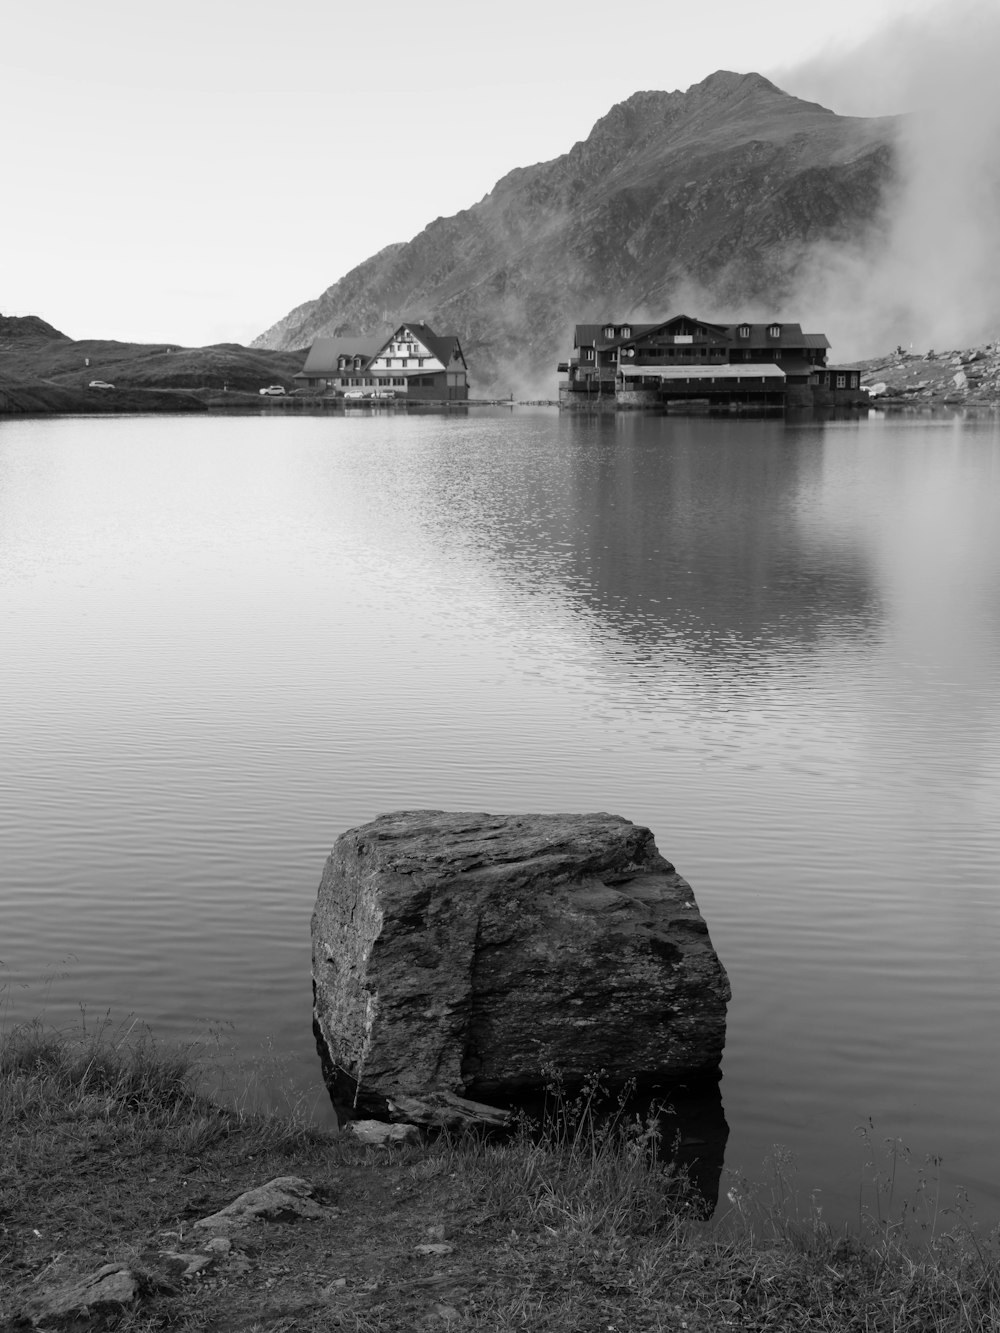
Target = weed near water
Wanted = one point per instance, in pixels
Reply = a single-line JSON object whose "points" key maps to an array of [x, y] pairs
{"points": [[581, 1167], [576, 1222]]}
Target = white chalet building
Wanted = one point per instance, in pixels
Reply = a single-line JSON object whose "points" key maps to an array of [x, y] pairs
{"points": [[413, 363]]}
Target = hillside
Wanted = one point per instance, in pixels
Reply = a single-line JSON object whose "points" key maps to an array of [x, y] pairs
{"points": [[21, 332], [968, 377], [43, 370], [713, 193]]}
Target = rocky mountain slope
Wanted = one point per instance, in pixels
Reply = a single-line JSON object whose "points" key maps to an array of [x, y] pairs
{"points": [[716, 192], [964, 376]]}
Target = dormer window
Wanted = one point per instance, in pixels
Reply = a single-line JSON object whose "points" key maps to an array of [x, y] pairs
{"points": [[626, 331], [774, 330], [744, 330], [609, 330]]}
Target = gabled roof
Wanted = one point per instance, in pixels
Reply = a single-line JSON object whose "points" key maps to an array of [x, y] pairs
{"points": [[720, 329], [443, 346], [592, 335], [326, 352], [791, 335]]}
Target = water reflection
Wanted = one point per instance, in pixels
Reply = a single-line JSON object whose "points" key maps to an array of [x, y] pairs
{"points": [[667, 531], [692, 1123]]}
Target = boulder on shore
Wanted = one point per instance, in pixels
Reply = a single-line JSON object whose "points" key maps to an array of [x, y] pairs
{"points": [[478, 955]]}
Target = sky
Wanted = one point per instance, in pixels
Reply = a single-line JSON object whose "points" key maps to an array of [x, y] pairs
{"points": [[190, 173]]}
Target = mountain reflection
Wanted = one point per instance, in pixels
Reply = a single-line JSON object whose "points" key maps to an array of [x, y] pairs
{"points": [[707, 532]]}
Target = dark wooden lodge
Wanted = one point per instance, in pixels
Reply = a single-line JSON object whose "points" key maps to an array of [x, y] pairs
{"points": [[685, 361]]}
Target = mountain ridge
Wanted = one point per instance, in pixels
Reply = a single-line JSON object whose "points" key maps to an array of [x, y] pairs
{"points": [[721, 188]]}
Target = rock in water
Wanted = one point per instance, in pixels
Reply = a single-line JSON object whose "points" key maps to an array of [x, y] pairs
{"points": [[476, 954]]}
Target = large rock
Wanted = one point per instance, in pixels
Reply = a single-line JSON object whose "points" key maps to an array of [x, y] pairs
{"points": [[479, 954]]}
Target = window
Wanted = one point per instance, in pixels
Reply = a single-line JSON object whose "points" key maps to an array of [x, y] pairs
{"points": [[841, 381], [405, 361], [626, 331], [588, 354], [744, 330], [399, 380], [774, 330], [609, 331]]}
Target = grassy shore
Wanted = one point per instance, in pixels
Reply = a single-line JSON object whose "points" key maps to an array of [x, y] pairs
{"points": [[111, 1153]]}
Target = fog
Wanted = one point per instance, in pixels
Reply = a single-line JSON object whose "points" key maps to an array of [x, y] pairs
{"points": [[927, 275], [931, 278]]}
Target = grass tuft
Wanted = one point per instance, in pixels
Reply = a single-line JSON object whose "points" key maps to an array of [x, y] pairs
{"points": [[576, 1223], [42, 1068], [581, 1168]]}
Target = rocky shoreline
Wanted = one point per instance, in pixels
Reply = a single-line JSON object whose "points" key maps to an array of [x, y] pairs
{"points": [[962, 377], [128, 1201]]}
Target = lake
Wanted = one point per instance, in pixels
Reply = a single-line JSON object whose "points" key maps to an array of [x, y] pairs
{"points": [[777, 644]]}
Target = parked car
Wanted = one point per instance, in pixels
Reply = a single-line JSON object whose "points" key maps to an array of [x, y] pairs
{"points": [[100, 384], [272, 390], [355, 393], [384, 393]]}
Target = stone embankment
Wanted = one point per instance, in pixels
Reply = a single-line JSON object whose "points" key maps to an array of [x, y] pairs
{"points": [[969, 377]]}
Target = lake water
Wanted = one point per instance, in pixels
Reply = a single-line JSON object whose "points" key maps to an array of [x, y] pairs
{"points": [[227, 640]]}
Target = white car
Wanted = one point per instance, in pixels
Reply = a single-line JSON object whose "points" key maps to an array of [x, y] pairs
{"points": [[100, 384], [272, 390], [355, 393]]}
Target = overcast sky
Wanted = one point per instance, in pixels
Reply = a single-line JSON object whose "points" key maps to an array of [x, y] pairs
{"points": [[190, 172]]}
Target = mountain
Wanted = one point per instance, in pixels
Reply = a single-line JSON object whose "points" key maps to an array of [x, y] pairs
{"points": [[712, 194]]}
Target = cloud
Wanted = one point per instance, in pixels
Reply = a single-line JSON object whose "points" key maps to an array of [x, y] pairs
{"points": [[932, 276]]}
